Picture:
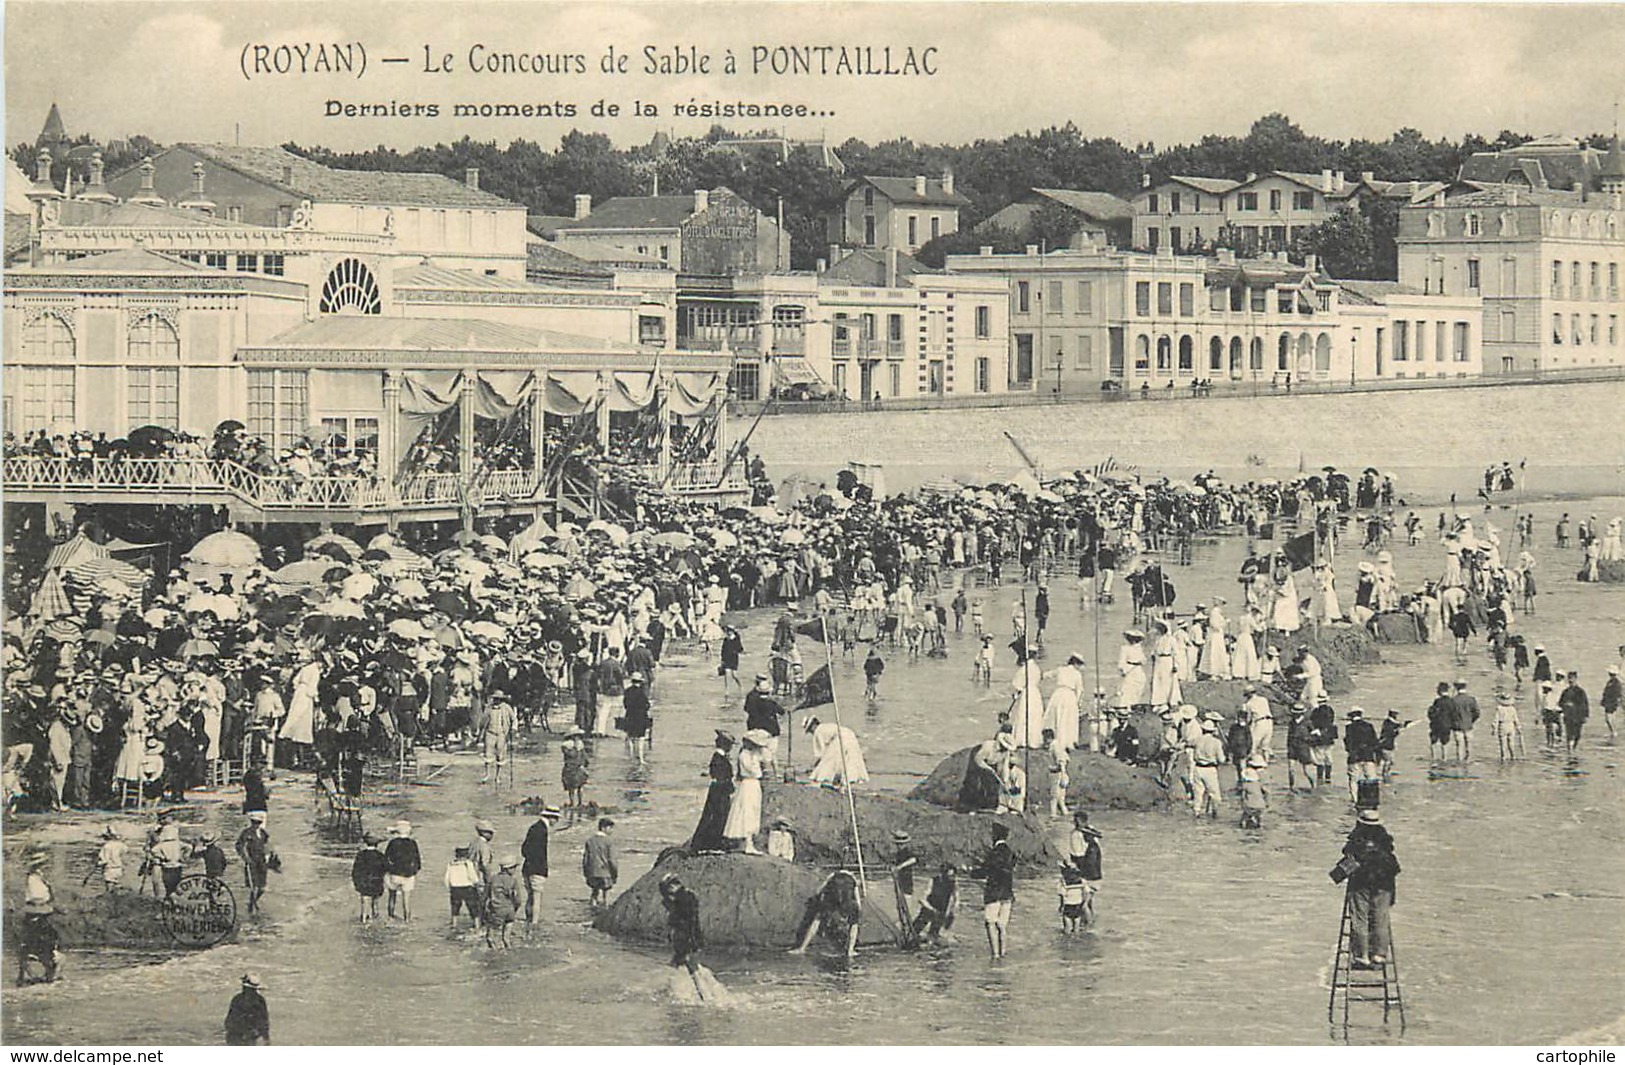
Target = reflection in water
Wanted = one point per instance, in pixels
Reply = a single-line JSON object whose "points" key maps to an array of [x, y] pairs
{"points": [[1511, 884]]}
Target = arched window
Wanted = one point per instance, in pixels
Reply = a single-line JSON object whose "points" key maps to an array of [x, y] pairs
{"points": [[1255, 354], [1187, 354], [350, 289], [1142, 354], [152, 339], [1323, 354], [1235, 356], [1165, 354], [1306, 350], [48, 338], [1215, 354], [1283, 356]]}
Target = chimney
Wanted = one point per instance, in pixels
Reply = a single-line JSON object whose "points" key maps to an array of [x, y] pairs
{"points": [[1438, 198], [97, 168], [1368, 176], [1339, 181], [947, 181], [1145, 181], [583, 206], [919, 184], [1251, 177], [891, 267], [1512, 195], [985, 251], [42, 168], [197, 201], [96, 190], [1311, 263], [1032, 249], [835, 255], [147, 195], [822, 266], [471, 177], [702, 200], [1326, 181]]}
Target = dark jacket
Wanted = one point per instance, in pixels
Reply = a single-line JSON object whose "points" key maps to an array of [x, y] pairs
{"points": [[1575, 704], [248, 1019], [401, 856], [367, 874], [763, 712], [998, 871], [534, 849], [1373, 848], [1360, 741]]}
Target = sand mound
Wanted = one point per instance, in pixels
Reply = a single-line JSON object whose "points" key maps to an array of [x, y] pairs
{"points": [[1396, 626], [1611, 571], [1097, 781], [126, 920], [750, 901], [823, 828]]}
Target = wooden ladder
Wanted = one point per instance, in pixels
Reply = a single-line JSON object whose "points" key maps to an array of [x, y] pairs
{"points": [[1380, 984]]}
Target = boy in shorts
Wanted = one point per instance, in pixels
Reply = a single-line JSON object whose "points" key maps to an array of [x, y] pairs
{"points": [[462, 882]]}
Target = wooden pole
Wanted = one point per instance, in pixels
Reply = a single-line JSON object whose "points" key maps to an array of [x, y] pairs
{"points": [[846, 779]]}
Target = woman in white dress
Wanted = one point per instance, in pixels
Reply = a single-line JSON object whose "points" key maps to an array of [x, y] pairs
{"points": [[745, 812], [1215, 661], [1452, 563], [1133, 679], [1164, 681], [1027, 704], [300, 725], [1244, 655], [836, 761], [1061, 711], [1612, 549], [1286, 615], [1326, 580]]}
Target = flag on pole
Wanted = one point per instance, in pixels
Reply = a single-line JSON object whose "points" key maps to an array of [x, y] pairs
{"points": [[1300, 551], [818, 689]]}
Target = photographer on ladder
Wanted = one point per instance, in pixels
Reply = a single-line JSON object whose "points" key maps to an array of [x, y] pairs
{"points": [[1369, 867]]}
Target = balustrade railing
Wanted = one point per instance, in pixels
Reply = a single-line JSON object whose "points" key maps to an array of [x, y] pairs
{"points": [[271, 491]]}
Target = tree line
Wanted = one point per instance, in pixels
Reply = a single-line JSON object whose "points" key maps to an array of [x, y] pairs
{"points": [[989, 172]]}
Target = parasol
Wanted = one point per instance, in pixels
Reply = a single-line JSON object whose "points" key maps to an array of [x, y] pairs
{"points": [[617, 534], [226, 548], [328, 543], [722, 538], [681, 541], [310, 571], [341, 608], [91, 570], [411, 588], [64, 630], [487, 630], [449, 637], [199, 649], [407, 629]]}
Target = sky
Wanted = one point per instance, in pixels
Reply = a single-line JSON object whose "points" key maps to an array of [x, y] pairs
{"points": [[1167, 73]]}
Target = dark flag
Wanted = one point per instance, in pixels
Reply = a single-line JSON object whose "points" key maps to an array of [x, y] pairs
{"points": [[818, 689], [1300, 551]]}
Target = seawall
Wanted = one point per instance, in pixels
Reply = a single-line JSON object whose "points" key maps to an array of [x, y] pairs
{"points": [[1435, 441]]}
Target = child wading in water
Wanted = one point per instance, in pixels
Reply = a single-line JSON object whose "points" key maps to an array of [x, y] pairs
{"points": [[1074, 898], [873, 667], [1254, 796]]}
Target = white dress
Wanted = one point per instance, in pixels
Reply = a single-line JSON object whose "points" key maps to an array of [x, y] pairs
{"points": [[1164, 681], [1244, 657], [1330, 609], [1215, 655], [1061, 712], [300, 726], [1287, 618], [745, 813], [1027, 713], [830, 756], [1131, 668]]}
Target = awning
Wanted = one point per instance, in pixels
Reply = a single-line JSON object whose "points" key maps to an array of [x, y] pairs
{"points": [[794, 370]]}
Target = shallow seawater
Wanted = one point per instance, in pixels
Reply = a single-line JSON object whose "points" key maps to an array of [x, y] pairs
{"points": [[1509, 924]]}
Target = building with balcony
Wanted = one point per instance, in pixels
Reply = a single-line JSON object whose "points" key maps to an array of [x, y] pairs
{"points": [[1545, 262], [897, 212], [903, 330], [1264, 213], [144, 313], [1087, 317]]}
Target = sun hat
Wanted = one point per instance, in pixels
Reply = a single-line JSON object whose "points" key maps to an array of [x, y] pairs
{"points": [[1370, 817], [252, 980]]}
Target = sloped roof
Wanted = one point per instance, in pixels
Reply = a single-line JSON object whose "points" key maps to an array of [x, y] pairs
{"points": [[1259, 271], [1217, 186], [1486, 194], [137, 261], [545, 257], [430, 275], [142, 216], [17, 186], [1309, 181], [313, 181], [432, 335], [901, 190], [1101, 205], [867, 266], [1552, 166], [1613, 164], [636, 212], [17, 231], [1372, 293], [545, 225], [53, 130]]}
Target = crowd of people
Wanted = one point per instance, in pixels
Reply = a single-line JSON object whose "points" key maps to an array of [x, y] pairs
{"points": [[355, 653]]}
